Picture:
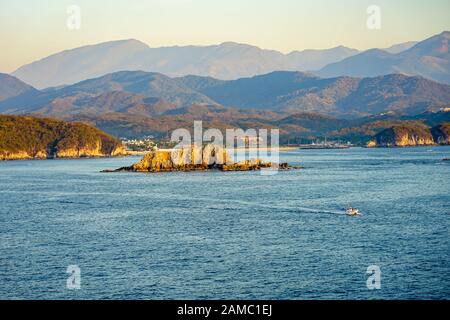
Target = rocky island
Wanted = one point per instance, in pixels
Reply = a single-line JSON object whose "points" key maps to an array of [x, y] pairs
{"points": [[23, 137], [207, 157]]}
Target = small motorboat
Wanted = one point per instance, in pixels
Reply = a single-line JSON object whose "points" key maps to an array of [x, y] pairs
{"points": [[352, 211]]}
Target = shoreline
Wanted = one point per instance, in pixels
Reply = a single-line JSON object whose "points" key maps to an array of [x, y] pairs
{"points": [[65, 158], [134, 153], [143, 153]]}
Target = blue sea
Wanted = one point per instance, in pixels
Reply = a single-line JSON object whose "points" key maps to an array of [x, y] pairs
{"points": [[234, 235]]}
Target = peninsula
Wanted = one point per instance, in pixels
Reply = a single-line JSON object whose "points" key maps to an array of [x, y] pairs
{"points": [[407, 135], [24, 137]]}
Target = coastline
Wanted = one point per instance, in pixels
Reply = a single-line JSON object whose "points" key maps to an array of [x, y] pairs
{"points": [[64, 158], [142, 153], [130, 153]]}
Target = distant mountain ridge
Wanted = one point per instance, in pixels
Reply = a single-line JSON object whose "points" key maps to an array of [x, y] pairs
{"points": [[153, 94], [226, 61], [400, 47], [230, 61], [130, 87], [11, 87], [429, 58], [303, 106], [341, 96]]}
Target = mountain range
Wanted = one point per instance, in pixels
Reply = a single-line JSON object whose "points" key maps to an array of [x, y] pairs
{"points": [[12, 87], [341, 96], [135, 103], [429, 58], [228, 60], [151, 94], [231, 61]]}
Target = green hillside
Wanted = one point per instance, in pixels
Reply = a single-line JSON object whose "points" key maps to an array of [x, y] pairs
{"points": [[29, 137]]}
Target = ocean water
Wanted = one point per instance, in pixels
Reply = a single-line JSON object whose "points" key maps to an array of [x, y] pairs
{"points": [[235, 235]]}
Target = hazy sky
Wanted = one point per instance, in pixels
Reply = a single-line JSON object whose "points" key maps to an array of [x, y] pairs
{"points": [[33, 29]]}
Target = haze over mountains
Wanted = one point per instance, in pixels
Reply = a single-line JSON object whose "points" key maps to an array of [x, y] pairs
{"points": [[230, 61], [12, 87], [429, 58], [397, 48], [133, 102]]}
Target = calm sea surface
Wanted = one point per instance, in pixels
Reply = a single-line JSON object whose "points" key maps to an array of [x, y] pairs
{"points": [[237, 235]]}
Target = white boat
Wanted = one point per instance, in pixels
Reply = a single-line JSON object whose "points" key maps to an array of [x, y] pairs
{"points": [[352, 212]]}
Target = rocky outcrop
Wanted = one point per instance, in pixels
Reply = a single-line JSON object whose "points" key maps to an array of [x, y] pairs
{"points": [[35, 138], [192, 158], [441, 133], [84, 152], [403, 136], [88, 152]]}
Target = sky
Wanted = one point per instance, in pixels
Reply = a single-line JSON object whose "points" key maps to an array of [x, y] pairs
{"points": [[33, 29]]}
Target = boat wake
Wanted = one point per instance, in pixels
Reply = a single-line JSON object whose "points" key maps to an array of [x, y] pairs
{"points": [[311, 210], [228, 206], [284, 208], [307, 210]]}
